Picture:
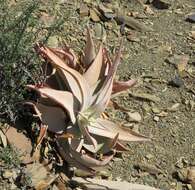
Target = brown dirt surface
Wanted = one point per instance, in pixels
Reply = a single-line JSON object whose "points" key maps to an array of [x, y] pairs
{"points": [[152, 58]]}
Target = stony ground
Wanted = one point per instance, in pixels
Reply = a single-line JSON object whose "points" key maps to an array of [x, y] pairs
{"points": [[163, 99]]}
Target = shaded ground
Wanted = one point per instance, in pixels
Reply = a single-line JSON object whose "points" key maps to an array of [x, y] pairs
{"points": [[173, 144]]}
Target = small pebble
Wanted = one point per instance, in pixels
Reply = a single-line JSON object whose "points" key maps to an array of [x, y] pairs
{"points": [[191, 18], [176, 82], [156, 118]]}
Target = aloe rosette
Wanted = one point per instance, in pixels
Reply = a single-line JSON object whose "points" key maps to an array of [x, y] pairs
{"points": [[82, 95]]}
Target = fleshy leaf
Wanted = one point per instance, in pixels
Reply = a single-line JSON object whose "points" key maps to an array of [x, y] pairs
{"points": [[108, 143], [109, 129], [51, 116], [83, 126], [64, 150], [119, 86], [54, 117], [93, 73], [75, 81], [67, 53], [103, 97], [89, 51], [119, 147], [65, 99], [89, 161]]}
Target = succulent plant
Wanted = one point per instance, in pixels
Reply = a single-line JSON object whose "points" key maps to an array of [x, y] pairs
{"points": [[72, 102]]}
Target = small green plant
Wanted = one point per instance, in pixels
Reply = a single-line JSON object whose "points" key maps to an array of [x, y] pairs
{"points": [[9, 156], [20, 28]]}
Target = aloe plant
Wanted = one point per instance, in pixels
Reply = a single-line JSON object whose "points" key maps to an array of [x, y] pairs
{"points": [[72, 102]]}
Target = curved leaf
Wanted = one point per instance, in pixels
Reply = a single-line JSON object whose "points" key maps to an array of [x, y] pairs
{"points": [[65, 99], [87, 160], [93, 73], [66, 54], [83, 123], [103, 96], [89, 51], [109, 129], [63, 147], [75, 81], [119, 86]]}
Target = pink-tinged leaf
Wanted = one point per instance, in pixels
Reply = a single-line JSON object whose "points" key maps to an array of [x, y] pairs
{"points": [[65, 99], [82, 123], [52, 77], [36, 110], [107, 61], [91, 148], [119, 86], [54, 117], [66, 54], [116, 106], [64, 150], [119, 147], [42, 134], [113, 142], [93, 73], [75, 81], [108, 143], [109, 129], [89, 161], [103, 97], [89, 51], [55, 81], [51, 116]]}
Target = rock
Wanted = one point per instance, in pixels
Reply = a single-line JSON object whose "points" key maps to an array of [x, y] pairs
{"points": [[149, 156], [134, 116], [178, 61], [148, 10], [145, 96], [83, 10], [152, 169], [174, 107], [162, 114], [40, 177], [155, 110], [161, 4], [191, 18], [192, 34], [106, 12], [13, 187], [176, 81], [100, 184], [156, 118], [21, 143], [179, 163], [132, 37], [191, 176], [99, 30], [94, 15], [7, 174], [130, 22], [87, 1]]}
